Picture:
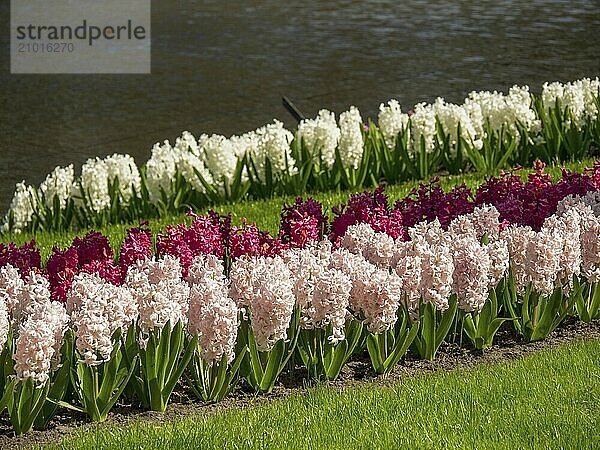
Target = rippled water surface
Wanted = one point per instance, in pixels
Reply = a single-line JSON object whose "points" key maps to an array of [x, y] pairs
{"points": [[223, 67]]}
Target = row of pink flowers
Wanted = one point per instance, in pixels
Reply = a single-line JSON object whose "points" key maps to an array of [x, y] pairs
{"points": [[367, 272], [369, 275]]}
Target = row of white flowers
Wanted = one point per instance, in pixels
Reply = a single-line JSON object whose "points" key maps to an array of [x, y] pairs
{"points": [[212, 160]]}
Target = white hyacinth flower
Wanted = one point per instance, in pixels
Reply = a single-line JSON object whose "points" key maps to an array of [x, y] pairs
{"points": [[578, 97], [591, 94], [502, 111], [59, 183], [391, 121], [422, 128], [274, 143], [220, 158], [161, 169], [452, 116], [188, 164], [124, 170], [187, 143], [351, 146], [321, 136], [21, 209], [94, 184]]}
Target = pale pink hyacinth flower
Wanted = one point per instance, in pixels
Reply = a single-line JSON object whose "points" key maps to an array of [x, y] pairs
{"points": [[165, 268], [590, 248], [570, 201], [425, 266], [98, 309], [589, 231], [357, 238], [352, 264], [329, 303], [380, 299], [433, 245], [408, 267], [499, 261], [437, 269], [376, 294], [471, 278], [11, 286], [4, 323], [566, 229], [306, 266], [542, 264], [462, 226], [266, 287], [358, 269], [589, 202], [36, 289], [92, 327], [376, 247], [382, 250], [122, 308], [272, 306], [214, 318], [205, 266], [484, 220], [160, 292], [517, 239], [241, 281], [431, 233], [592, 199], [40, 337]]}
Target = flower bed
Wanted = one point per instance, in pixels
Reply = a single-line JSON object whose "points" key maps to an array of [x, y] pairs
{"points": [[488, 131], [214, 303]]}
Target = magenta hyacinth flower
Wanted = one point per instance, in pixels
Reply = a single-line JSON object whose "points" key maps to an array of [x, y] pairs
{"points": [[371, 208], [204, 236], [137, 246], [61, 268], [303, 222], [94, 246], [25, 258]]}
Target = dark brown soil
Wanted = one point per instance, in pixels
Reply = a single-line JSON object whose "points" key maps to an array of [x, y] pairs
{"points": [[356, 373]]}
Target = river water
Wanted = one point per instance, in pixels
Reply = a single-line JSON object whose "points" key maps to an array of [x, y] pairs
{"points": [[222, 67]]}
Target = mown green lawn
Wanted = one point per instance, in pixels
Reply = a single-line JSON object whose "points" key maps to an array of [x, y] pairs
{"points": [[265, 212], [550, 399]]}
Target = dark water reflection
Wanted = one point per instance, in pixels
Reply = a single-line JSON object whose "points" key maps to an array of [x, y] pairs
{"points": [[223, 66]]}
